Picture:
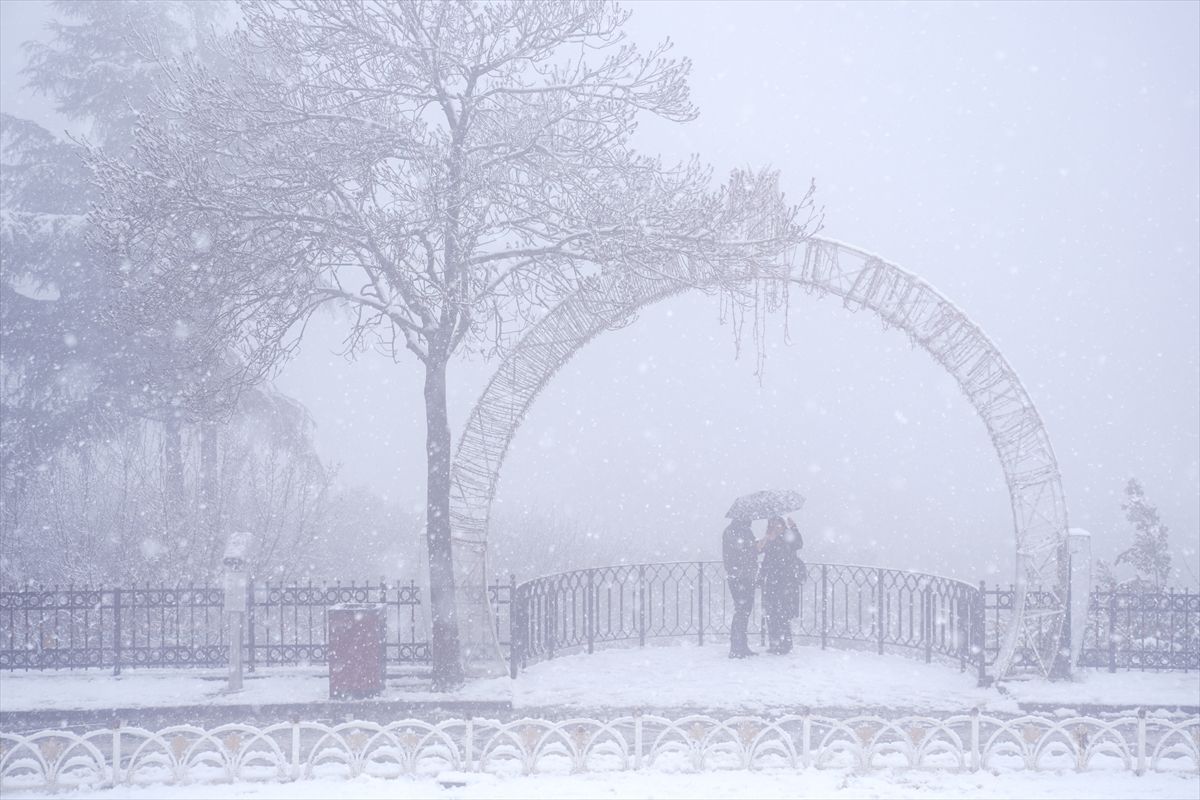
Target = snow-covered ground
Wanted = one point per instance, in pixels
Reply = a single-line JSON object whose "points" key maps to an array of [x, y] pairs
{"points": [[656, 679], [679, 676], [94, 690], [705, 677], [784, 784], [690, 676], [1097, 687]]}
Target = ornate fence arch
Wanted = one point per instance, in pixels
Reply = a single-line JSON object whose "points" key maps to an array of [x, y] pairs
{"points": [[824, 267], [846, 605], [974, 740]]}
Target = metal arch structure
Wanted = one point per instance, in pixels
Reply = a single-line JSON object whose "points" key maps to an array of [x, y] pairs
{"points": [[823, 267]]}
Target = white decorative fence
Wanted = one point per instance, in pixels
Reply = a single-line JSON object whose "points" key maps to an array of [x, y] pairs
{"points": [[298, 750]]}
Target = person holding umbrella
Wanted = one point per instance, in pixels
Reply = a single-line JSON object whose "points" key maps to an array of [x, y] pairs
{"points": [[781, 575], [740, 550]]}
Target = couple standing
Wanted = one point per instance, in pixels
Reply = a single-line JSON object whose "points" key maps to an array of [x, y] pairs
{"points": [[780, 576]]}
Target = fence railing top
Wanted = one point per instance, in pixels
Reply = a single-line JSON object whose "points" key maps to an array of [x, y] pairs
{"points": [[566, 573], [259, 583]]}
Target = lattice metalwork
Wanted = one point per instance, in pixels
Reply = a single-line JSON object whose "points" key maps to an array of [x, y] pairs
{"points": [[840, 605], [823, 267], [183, 626], [1122, 630], [53, 760]]}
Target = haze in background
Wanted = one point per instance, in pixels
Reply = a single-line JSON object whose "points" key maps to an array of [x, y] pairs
{"points": [[1038, 164]]}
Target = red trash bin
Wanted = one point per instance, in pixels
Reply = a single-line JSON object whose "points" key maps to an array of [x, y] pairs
{"points": [[357, 644]]}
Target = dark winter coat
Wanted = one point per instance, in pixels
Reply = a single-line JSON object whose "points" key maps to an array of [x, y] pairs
{"points": [[781, 575], [740, 552]]}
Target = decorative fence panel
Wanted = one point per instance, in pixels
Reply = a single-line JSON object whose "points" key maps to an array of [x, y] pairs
{"points": [[840, 605], [80, 628], [880, 608], [844, 605], [53, 760], [1126, 630]]}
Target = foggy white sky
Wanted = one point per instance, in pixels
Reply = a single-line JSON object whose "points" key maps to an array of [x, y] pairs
{"points": [[1038, 163]]}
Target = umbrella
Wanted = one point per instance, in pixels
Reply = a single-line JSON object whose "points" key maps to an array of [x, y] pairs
{"points": [[767, 503]]}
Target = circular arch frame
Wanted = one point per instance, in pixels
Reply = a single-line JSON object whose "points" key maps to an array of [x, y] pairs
{"points": [[825, 267]]}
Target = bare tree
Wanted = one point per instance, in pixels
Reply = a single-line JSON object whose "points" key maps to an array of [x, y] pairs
{"points": [[446, 169], [102, 512]]}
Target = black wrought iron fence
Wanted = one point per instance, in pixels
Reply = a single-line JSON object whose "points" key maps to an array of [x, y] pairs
{"points": [[1124, 630], [1143, 630], [880, 608], [79, 628], [842, 605]]}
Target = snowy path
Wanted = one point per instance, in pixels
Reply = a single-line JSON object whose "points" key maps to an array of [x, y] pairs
{"points": [[704, 677], [135, 689], [678, 676], [688, 676], [733, 784]]}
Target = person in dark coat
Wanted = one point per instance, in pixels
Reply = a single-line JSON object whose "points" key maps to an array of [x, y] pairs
{"points": [[740, 551], [781, 575]]}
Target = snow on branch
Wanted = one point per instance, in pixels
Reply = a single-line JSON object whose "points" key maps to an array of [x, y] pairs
{"points": [[450, 169]]}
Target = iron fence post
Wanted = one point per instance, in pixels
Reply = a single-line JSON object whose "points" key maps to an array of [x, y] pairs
{"points": [[295, 770], [641, 605], [516, 636], [927, 622], [414, 600], [116, 752], [590, 611], [976, 758], [551, 630], [638, 734], [1171, 617], [879, 613], [980, 618], [1186, 608], [383, 601], [824, 604], [963, 631], [1141, 741], [116, 631], [700, 601]]}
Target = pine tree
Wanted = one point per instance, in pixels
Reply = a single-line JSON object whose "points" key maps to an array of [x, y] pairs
{"points": [[1150, 553], [68, 374], [101, 60], [78, 368], [1103, 579]]}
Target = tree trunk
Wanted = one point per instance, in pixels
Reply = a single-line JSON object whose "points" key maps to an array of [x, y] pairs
{"points": [[443, 645], [173, 487], [209, 493]]}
